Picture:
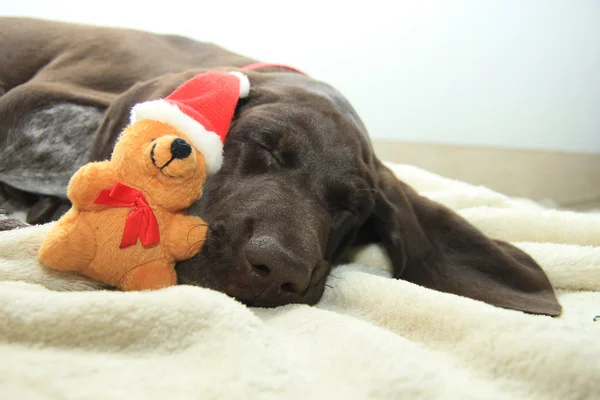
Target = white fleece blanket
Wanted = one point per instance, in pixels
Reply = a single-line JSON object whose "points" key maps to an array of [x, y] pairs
{"points": [[369, 337]]}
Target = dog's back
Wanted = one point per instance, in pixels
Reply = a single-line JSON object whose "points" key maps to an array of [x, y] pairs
{"points": [[67, 90], [101, 58]]}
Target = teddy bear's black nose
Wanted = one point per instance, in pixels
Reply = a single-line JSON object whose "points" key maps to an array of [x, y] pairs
{"points": [[180, 148]]}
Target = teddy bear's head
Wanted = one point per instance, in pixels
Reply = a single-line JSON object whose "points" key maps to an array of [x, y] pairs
{"points": [[160, 161]]}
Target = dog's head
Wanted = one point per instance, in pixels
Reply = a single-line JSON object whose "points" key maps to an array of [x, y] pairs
{"points": [[300, 184], [293, 190]]}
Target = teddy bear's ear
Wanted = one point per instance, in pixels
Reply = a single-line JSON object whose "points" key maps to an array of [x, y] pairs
{"points": [[202, 108]]}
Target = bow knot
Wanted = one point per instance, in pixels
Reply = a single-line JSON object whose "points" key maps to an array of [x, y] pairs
{"points": [[141, 221], [141, 202]]}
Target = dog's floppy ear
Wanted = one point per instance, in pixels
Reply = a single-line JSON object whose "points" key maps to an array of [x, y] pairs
{"points": [[432, 246]]}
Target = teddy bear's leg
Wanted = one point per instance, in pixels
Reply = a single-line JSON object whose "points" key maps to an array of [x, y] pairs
{"points": [[155, 274], [70, 245]]}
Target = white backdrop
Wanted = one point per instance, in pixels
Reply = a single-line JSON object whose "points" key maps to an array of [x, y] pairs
{"points": [[508, 73]]}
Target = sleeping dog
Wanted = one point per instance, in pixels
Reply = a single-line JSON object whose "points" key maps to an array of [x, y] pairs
{"points": [[299, 185]]}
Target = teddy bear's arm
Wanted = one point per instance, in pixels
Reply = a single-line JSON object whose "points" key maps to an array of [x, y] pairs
{"points": [[89, 181], [185, 236]]}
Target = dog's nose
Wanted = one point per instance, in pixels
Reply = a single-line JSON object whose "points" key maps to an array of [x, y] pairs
{"points": [[180, 148], [276, 265]]}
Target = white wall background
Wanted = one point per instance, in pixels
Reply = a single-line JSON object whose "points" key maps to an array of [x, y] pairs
{"points": [[508, 73]]}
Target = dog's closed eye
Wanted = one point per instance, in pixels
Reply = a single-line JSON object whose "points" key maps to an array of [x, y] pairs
{"points": [[267, 155], [272, 153]]}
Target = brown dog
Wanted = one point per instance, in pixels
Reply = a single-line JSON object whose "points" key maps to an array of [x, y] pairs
{"points": [[299, 183]]}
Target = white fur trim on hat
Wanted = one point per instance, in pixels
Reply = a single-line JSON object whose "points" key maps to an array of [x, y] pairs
{"points": [[244, 83], [209, 143]]}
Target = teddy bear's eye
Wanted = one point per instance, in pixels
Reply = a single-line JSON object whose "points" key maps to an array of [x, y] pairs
{"points": [[153, 139]]}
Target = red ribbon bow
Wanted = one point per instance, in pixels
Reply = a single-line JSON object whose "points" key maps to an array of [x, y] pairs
{"points": [[141, 221]]}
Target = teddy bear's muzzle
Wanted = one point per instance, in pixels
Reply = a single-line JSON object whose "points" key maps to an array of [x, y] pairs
{"points": [[173, 156], [180, 148]]}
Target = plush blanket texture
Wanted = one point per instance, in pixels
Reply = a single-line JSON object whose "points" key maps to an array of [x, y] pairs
{"points": [[369, 337]]}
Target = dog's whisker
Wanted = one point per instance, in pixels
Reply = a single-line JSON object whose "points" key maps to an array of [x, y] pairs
{"points": [[187, 252], [369, 190], [260, 294], [186, 280]]}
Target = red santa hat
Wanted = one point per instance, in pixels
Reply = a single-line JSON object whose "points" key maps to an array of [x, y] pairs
{"points": [[202, 108]]}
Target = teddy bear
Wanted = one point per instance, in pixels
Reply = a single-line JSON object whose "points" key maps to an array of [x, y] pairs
{"points": [[128, 223]]}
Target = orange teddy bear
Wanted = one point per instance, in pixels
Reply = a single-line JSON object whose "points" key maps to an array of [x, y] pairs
{"points": [[157, 170]]}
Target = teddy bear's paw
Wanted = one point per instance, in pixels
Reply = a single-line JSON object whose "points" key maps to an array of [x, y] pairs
{"points": [[156, 274], [70, 245]]}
